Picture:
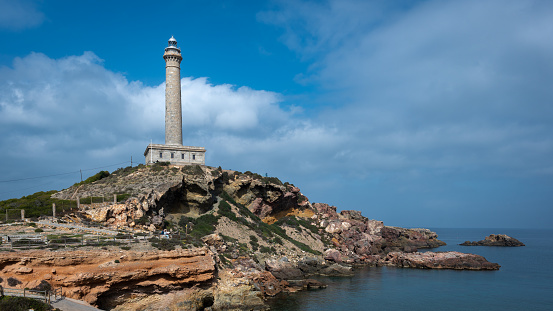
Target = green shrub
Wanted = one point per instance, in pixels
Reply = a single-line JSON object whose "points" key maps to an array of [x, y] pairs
{"points": [[204, 225], [35, 205], [121, 197], [226, 238], [123, 171], [296, 222], [254, 242], [241, 208], [164, 244], [199, 227], [159, 166], [226, 210], [144, 220], [38, 230], [93, 178], [224, 260], [22, 304], [265, 249]]}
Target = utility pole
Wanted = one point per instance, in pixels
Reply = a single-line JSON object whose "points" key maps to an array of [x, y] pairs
{"points": [[81, 175]]}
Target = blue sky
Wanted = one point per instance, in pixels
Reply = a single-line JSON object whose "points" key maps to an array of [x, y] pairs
{"points": [[417, 113]]}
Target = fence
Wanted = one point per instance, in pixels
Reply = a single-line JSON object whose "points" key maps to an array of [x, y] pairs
{"points": [[40, 242], [45, 295]]}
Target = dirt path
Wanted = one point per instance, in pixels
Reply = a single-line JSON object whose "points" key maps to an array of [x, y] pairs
{"points": [[68, 304], [98, 230]]}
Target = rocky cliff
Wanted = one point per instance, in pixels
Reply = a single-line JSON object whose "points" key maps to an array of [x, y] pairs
{"points": [[107, 278], [262, 236]]}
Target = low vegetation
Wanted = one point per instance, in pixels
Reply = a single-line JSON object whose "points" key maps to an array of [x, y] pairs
{"points": [[35, 205], [23, 304]]}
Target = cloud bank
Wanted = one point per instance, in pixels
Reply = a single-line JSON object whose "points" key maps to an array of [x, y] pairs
{"points": [[440, 85]]}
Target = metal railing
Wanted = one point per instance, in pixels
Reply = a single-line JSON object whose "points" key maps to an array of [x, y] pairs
{"points": [[44, 295]]}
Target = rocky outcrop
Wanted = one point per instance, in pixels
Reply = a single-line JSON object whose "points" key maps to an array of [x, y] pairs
{"points": [[439, 260], [357, 239], [495, 240], [160, 191], [106, 278]]}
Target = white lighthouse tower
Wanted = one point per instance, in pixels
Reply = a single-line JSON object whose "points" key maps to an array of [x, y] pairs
{"points": [[173, 151]]}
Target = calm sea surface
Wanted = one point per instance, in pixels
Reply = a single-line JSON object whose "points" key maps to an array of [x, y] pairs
{"points": [[524, 281]]}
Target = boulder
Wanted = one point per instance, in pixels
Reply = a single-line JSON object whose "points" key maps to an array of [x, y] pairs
{"points": [[337, 270], [283, 269], [333, 255], [309, 265]]}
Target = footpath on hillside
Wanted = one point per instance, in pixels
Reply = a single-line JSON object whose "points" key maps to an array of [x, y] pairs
{"points": [[68, 304]]}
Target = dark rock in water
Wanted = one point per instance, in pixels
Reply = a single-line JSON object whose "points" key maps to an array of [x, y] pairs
{"points": [[495, 240], [307, 284], [439, 260], [310, 284]]}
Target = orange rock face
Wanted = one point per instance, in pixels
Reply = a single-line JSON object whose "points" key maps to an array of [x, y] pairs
{"points": [[97, 276]]}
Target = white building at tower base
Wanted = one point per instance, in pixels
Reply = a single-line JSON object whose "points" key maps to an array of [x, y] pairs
{"points": [[176, 155]]}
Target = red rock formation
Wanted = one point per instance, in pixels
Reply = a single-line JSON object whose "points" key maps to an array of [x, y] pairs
{"points": [[101, 276]]}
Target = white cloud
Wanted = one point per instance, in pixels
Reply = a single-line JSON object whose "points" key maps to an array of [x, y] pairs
{"points": [[19, 14], [75, 106], [434, 84]]}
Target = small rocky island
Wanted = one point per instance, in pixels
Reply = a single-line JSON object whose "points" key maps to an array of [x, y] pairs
{"points": [[495, 240]]}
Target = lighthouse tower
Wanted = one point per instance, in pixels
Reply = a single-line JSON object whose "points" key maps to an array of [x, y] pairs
{"points": [[173, 151], [173, 108]]}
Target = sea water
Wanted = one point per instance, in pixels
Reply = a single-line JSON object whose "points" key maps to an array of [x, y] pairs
{"points": [[524, 281]]}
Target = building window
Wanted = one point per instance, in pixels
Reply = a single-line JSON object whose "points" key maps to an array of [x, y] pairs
{"points": [[161, 155], [182, 156], [193, 157], [172, 155]]}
